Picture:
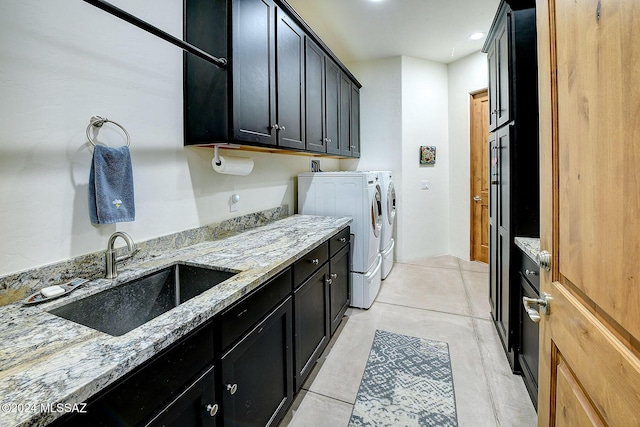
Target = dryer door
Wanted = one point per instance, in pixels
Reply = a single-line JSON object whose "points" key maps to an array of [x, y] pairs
{"points": [[391, 203], [376, 212]]}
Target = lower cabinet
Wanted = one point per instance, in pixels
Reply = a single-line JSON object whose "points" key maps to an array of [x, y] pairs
{"points": [[244, 367], [339, 287], [194, 407], [175, 388], [257, 372], [312, 330]]}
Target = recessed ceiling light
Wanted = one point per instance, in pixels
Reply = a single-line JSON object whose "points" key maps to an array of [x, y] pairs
{"points": [[476, 36]]}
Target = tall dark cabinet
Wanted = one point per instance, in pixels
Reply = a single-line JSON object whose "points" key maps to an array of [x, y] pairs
{"points": [[513, 147]]}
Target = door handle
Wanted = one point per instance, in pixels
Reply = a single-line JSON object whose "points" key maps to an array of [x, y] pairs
{"points": [[232, 388], [544, 260], [477, 198], [542, 302]]}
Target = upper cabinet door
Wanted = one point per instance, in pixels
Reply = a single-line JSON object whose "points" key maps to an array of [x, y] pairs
{"points": [[502, 49], [498, 60], [253, 68], [345, 115], [314, 97], [332, 106], [355, 121], [290, 78]]}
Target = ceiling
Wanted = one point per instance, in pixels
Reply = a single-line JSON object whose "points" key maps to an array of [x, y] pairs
{"points": [[360, 30]]}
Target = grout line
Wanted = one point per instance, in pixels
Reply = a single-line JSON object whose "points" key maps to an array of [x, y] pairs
{"points": [[331, 397], [432, 310], [485, 368]]}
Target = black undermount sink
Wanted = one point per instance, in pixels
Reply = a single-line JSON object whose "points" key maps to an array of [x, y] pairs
{"points": [[123, 308]]}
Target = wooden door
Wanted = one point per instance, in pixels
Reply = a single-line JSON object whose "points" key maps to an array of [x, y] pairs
{"points": [[590, 212], [480, 176]]}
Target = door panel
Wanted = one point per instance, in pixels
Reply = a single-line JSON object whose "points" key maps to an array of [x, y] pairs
{"points": [[479, 177], [314, 97], [290, 71], [590, 198], [253, 76]]}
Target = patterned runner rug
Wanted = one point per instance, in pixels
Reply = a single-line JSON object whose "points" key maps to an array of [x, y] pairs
{"points": [[407, 382]]}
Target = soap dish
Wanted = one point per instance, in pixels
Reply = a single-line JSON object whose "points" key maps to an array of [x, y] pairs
{"points": [[67, 287]]}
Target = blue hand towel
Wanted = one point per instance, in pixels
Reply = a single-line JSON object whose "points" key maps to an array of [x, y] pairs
{"points": [[111, 186]]}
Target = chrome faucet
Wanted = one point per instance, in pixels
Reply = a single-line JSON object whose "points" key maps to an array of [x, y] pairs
{"points": [[110, 257]]}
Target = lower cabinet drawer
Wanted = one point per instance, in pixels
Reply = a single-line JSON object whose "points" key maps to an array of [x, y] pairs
{"points": [[238, 319], [530, 270], [339, 241], [309, 263]]}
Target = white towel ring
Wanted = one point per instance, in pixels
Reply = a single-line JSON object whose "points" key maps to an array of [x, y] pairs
{"points": [[98, 121]]}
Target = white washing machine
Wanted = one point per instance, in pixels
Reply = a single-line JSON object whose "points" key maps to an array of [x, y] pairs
{"points": [[387, 243], [358, 195]]}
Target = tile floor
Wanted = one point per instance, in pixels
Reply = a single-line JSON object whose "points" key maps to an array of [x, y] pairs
{"points": [[442, 298]]}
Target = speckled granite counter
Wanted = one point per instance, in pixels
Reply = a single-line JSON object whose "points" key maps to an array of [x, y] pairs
{"points": [[47, 359], [530, 246]]}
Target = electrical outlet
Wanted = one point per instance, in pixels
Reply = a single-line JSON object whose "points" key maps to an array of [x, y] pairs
{"points": [[425, 184], [234, 203], [315, 165]]}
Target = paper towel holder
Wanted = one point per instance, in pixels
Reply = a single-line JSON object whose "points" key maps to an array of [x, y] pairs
{"points": [[216, 156]]}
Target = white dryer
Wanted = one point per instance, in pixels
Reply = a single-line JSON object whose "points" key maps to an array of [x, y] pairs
{"points": [[358, 195], [387, 243]]}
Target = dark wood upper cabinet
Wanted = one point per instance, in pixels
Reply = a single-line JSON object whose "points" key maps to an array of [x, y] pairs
{"points": [[290, 78], [332, 106], [355, 121], [253, 68], [273, 91], [345, 116], [314, 97]]}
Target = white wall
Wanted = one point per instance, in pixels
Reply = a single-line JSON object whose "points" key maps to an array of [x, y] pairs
{"points": [[404, 105], [425, 223], [380, 115], [466, 76], [63, 61]]}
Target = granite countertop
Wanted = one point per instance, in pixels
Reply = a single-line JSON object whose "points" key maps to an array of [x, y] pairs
{"points": [[47, 359], [530, 246]]}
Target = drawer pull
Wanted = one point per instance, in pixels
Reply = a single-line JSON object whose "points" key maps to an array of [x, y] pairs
{"points": [[212, 409], [343, 239], [242, 313], [232, 388], [530, 272], [315, 261]]}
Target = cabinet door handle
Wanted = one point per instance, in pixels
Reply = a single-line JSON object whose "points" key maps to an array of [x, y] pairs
{"points": [[232, 388], [276, 127], [212, 409], [334, 276], [282, 128], [328, 281], [315, 261], [530, 272], [353, 146], [343, 239]]}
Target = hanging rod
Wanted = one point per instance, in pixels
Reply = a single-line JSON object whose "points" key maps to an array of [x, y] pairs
{"points": [[108, 7]]}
